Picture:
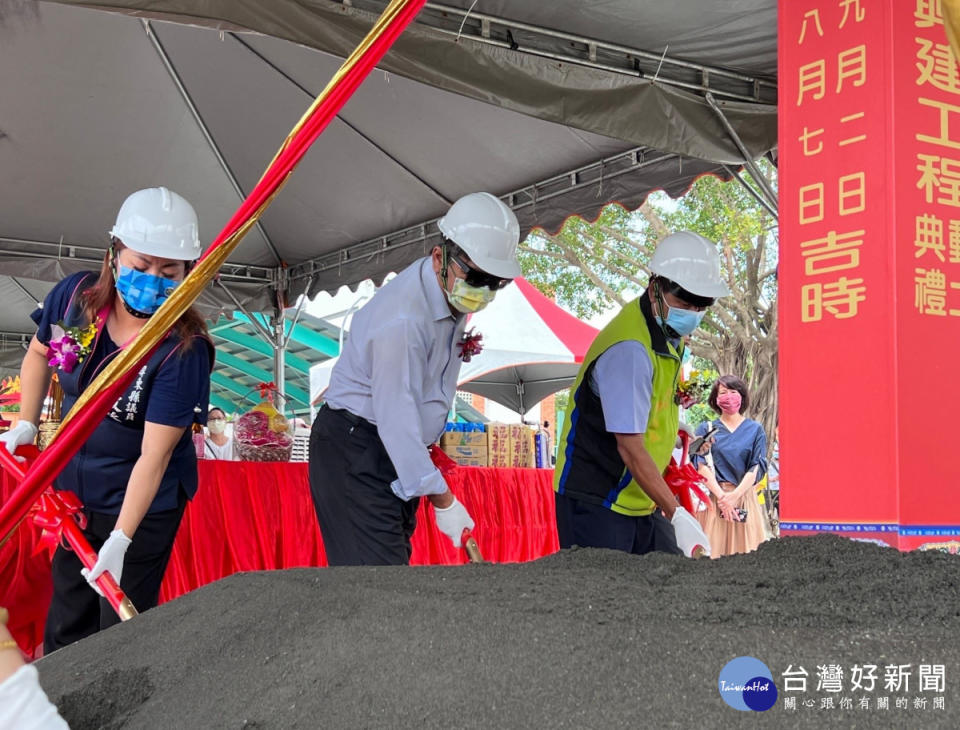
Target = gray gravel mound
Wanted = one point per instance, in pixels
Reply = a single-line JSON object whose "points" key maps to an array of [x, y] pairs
{"points": [[580, 639]]}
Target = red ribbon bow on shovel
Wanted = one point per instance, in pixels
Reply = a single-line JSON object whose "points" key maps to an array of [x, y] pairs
{"points": [[683, 478], [50, 513]]}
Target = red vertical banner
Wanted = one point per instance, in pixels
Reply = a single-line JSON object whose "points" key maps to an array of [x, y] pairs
{"points": [[926, 183], [865, 287]]}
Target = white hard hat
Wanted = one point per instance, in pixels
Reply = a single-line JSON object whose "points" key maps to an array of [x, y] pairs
{"points": [[158, 222], [487, 231], [691, 261]]}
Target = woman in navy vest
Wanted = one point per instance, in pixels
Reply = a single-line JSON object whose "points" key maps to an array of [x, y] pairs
{"points": [[135, 473]]}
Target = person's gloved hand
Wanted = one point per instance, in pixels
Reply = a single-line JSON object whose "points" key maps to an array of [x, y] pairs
{"points": [[453, 520], [22, 434], [689, 533], [110, 559]]}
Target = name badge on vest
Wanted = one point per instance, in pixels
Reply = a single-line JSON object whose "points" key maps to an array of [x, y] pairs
{"points": [[129, 408]]}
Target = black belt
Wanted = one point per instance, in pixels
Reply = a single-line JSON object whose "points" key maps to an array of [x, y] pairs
{"points": [[351, 418]]}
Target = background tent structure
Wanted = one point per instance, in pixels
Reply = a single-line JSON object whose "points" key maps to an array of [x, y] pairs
{"points": [[531, 348], [559, 108]]}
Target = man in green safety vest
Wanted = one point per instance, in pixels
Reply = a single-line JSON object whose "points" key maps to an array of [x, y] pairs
{"points": [[622, 419]]}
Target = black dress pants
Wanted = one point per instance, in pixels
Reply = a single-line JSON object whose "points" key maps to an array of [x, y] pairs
{"points": [[362, 521], [76, 610], [592, 525]]}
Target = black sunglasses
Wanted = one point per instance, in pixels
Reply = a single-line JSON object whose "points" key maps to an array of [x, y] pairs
{"points": [[475, 277]]}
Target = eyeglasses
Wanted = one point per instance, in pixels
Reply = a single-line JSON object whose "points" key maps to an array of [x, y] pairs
{"points": [[475, 277]]}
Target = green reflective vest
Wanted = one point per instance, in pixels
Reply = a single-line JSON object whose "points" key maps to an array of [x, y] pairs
{"points": [[589, 467]]}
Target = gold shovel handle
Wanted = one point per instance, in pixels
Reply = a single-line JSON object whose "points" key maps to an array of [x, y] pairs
{"points": [[470, 545]]}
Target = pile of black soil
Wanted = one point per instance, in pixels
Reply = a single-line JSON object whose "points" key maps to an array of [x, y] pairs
{"points": [[580, 639]]}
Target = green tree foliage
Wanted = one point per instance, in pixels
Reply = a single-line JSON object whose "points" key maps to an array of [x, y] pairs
{"points": [[590, 266]]}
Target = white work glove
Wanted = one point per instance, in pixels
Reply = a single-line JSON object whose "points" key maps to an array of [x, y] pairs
{"points": [[109, 560], [23, 434], [453, 520], [690, 535]]}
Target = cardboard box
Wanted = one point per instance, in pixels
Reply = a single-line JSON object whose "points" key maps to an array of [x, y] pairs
{"points": [[468, 455], [498, 444], [521, 446], [510, 445], [527, 452], [463, 438]]}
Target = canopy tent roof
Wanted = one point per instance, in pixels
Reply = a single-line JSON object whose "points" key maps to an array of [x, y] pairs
{"points": [[557, 107], [531, 348], [103, 104]]}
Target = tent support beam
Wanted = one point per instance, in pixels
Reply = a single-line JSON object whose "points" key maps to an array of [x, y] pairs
{"points": [[752, 190], [279, 367], [22, 288], [279, 351], [587, 176], [592, 53], [296, 316], [465, 385], [20, 248], [20, 339], [755, 172], [261, 330], [204, 130], [366, 138]]}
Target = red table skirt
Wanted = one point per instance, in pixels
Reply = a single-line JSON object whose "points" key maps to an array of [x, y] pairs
{"points": [[273, 525]]}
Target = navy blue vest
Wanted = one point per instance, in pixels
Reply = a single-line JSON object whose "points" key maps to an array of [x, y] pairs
{"points": [[98, 473]]}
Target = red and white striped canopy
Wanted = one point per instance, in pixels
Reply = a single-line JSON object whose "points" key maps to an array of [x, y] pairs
{"points": [[531, 348]]}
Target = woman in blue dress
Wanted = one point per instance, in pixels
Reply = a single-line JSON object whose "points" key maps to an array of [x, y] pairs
{"points": [[136, 471], [732, 468]]}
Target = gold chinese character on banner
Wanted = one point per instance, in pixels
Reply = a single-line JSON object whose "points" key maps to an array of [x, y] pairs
{"points": [[930, 292], [937, 66], [840, 299], [945, 111], [953, 242], [811, 203], [858, 12], [813, 15], [806, 137], [929, 14], [954, 312], [852, 193], [942, 174], [833, 252], [928, 236], [857, 138], [813, 78], [852, 64]]}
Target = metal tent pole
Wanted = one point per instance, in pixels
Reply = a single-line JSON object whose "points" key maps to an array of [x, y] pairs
{"points": [[750, 189], [279, 362], [204, 130], [749, 163]]}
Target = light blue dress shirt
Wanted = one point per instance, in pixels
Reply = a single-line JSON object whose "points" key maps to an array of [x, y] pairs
{"points": [[398, 370], [623, 379]]}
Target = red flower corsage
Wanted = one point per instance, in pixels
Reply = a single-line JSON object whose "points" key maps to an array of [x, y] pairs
{"points": [[471, 344]]}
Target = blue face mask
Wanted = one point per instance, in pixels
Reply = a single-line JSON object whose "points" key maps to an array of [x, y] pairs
{"points": [[681, 321], [143, 292]]}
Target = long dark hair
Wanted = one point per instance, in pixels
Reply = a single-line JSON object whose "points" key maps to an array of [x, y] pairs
{"points": [[104, 293]]}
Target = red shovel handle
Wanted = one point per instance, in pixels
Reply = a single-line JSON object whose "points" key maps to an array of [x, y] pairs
{"points": [[440, 460], [72, 533]]}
